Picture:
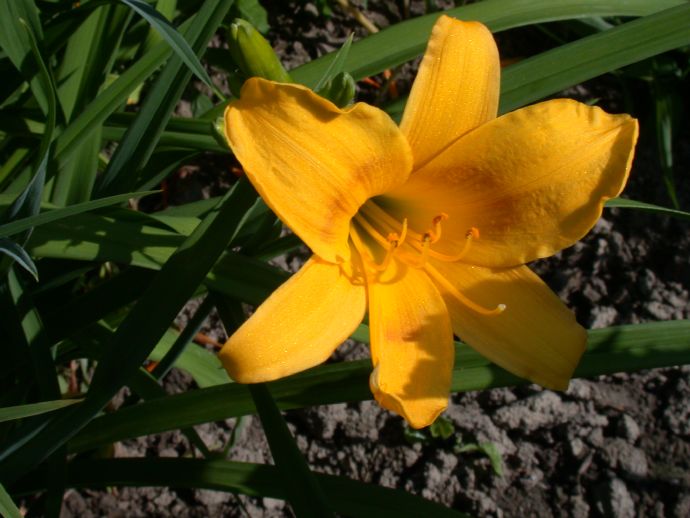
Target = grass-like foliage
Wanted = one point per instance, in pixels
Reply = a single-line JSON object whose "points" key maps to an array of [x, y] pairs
{"points": [[90, 286]]}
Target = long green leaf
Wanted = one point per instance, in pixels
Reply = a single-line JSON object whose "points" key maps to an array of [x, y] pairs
{"points": [[303, 489], [29, 200], [615, 349], [15, 41], [167, 360], [7, 507], [179, 132], [111, 99], [33, 338], [552, 71], [141, 330], [142, 136], [349, 497], [21, 411], [592, 56], [134, 240], [404, 41], [28, 203], [624, 203], [20, 225], [336, 65], [15, 252], [174, 39], [87, 61], [89, 56], [202, 365], [145, 386]]}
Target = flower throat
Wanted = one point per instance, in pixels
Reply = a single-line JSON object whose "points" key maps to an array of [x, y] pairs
{"points": [[412, 248]]}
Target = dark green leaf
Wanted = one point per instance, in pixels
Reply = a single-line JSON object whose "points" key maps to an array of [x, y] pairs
{"points": [[624, 203], [302, 487], [141, 329], [615, 349], [7, 507], [349, 497], [404, 41], [21, 411], [15, 252], [554, 70], [336, 66], [16, 42], [142, 136], [20, 225], [86, 63], [174, 39], [303, 490]]}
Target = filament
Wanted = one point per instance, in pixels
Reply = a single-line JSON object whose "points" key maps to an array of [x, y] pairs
{"points": [[470, 235]]}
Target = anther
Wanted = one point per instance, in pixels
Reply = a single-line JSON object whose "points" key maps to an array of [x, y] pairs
{"points": [[471, 234], [436, 230]]}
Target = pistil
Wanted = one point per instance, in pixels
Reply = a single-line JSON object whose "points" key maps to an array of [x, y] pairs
{"points": [[443, 282]]}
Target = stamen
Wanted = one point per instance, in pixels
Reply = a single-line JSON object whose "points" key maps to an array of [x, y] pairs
{"points": [[470, 235], [459, 296], [403, 232], [426, 241], [374, 212], [371, 230], [393, 242]]}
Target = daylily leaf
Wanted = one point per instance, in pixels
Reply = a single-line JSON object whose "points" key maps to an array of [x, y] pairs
{"points": [[625, 203], [349, 497], [174, 39], [19, 412], [615, 349], [336, 66], [19, 225], [15, 252], [7, 506]]}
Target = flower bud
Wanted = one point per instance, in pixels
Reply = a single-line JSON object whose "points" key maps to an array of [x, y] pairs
{"points": [[219, 132], [253, 54], [340, 90]]}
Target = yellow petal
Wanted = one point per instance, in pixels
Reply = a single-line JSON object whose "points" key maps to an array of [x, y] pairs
{"points": [[411, 345], [298, 326], [456, 89], [532, 182], [313, 163], [535, 337]]}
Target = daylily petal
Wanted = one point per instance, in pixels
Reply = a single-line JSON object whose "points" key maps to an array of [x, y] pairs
{"points": [[456, 88], [535, 337], [298, 326], [313, 163], [411, 345], [532, 182]]}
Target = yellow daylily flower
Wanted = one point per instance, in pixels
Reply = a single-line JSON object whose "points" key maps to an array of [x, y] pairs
{"points": [[429, 225]]}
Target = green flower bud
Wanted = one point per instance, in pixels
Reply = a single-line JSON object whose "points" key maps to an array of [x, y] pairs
{"points": [[340, 90], [253, 54], [219, 132]]}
